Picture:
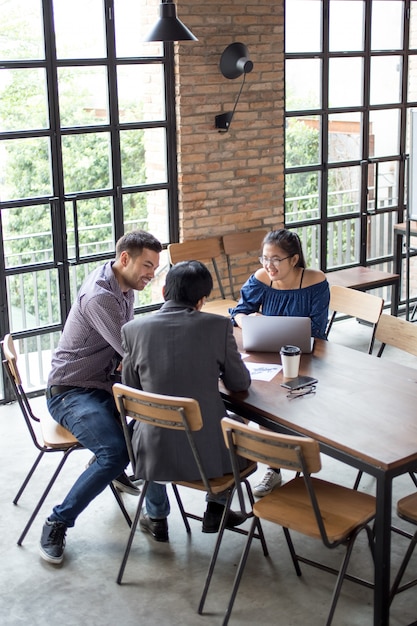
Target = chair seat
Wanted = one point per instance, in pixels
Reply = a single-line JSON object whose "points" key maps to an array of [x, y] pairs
{"points": [[342, 509], [54, 435], [220, 483], [407, 508]]}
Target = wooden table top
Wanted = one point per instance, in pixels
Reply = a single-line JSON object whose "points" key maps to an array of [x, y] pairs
{"points": [[364, 406]]}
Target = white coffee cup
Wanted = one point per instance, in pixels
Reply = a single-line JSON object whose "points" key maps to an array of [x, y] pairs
{"points": [[290, 359]]}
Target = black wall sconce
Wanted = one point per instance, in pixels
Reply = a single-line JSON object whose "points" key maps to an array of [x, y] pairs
{"points": [[169, 27], [233, 63]]}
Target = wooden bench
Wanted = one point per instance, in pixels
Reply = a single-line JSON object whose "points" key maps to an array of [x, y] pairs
{"points": [[366, 278]]}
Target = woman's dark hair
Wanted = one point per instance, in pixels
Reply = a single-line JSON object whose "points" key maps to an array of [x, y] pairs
{"points": [[135, 241], [288, 241], [187, 282]]}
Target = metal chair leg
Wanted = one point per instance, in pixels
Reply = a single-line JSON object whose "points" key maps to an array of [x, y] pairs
{"points": [[28, 477]]}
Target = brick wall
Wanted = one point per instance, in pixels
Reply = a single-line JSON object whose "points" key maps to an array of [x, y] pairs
{"points": [[230, 181]]}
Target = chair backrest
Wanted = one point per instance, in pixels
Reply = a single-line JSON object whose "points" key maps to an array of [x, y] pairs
{"points": [[300, 454], [396, 332], [206, 249], [175, 413], [355, 303], [240, 243], [12, 371]]}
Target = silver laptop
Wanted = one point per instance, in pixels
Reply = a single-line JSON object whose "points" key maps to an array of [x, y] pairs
{"points": [[268, 333]]}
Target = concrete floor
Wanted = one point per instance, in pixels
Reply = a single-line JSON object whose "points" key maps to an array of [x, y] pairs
{"points": [[163, 582]]}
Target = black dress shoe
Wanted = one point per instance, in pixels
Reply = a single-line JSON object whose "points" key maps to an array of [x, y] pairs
{"points": [[158, 528], [213, 517]]}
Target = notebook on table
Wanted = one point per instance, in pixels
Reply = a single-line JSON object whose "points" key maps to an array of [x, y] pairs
{"points": [[268, 333]]}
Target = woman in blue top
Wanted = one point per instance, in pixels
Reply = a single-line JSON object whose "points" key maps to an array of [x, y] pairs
{"points": [[284, 286]]}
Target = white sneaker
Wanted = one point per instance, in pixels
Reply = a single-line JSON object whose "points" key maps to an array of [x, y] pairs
{"points": [[272, 478]]}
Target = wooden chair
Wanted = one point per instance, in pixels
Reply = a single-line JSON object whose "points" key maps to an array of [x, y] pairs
{"points": [[331, 513], [354, 303], [238, 244], [180, 414], [396, 332], [207, 249], [407, 510], [47, 436]]}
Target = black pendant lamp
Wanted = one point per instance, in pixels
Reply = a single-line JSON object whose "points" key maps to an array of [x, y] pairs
{"points": [[169, 27]]}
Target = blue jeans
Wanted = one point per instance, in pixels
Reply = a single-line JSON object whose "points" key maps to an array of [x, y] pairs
{"points": [[91, 416]]}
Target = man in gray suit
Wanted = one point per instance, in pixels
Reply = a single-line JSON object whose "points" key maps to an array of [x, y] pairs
{"points": [[182, 351]]}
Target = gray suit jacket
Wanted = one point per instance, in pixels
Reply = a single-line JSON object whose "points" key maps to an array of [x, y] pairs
{"points": [[182, 352]]}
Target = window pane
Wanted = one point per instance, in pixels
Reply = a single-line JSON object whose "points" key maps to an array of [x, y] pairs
{"points": [[79, 29], [26, 170], [302, 26], [302, 84], [413, 24], [133, 21], [153, 292], [23, 101], [386, 25], [95, 229], [412, 78], [141, 93], [344, 190], [343, 242], [148, 211], [27, 235], [83, 96], [302, 196], [143, 156], [302, 141], [34, 358], [345, 82], [380, 241], [310, 243], [21, 30], [33, 299], [386, 192], [344, 134], [381, 142], [86, 159], [346, 25], [389, 89]]}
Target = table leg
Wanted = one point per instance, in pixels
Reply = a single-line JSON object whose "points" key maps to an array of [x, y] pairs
{"points": [[382, 550]]}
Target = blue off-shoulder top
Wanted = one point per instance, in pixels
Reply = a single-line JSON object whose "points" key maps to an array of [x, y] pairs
{"points": [[312, 302]]}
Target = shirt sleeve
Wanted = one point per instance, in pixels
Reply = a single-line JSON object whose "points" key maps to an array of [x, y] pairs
{"points": [[106, 316], [251, 298]]}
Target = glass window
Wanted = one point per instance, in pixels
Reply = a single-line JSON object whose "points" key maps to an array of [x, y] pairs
{"points": [[27, 235], [388, 90], [21, 17], [413, 25], [133, 21], [346, 22], [343, 239], [33, 299], [146, 210], [141, 93], [302, 84], [303, 26], [344, 188], [143, 156], [345, 82], [83, 96], [23, 99], [89, 223], [386, 26], [345, 136], [302, 196], [79, 29], [302, 141], [86, 161], [26, 168], [381, 142]]}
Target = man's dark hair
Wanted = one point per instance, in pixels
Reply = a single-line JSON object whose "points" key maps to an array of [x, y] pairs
{"points": [[135, 241], [187, 282]]}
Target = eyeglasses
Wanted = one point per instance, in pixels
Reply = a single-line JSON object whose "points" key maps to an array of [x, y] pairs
{"points": [[275, 261], [299, 393]]}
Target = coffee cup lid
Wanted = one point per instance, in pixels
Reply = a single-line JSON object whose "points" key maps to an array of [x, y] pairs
{"points": [[290, 350]]}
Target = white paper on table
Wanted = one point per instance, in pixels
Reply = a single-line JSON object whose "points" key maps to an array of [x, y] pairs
{"points": [[263, 371]]}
